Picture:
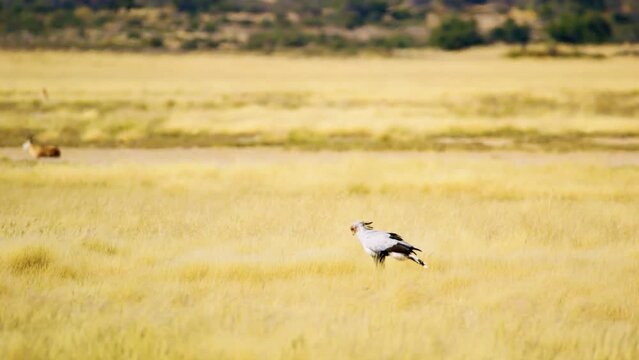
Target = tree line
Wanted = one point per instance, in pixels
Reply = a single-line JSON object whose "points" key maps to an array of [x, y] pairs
{"points": [[564, 21]]}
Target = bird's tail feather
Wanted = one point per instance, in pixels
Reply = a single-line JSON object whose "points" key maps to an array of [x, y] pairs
{"points": [[418, 260]]}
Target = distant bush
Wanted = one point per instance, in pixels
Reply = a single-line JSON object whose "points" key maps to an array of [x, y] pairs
{"points": [[313, 21], [360, 12], [190, 44], [194, 6], [22, 22], [270, 40], [102, 19], [198, 43], [296, 39], [627, 33], [211, 26], [573, 21], [455, 33], [580, 28], [156, 41], [512, 33], [552, 51], [266, 41], [45, 6], [134, 34], [62, 19], [193, 23], [134, 22], [398, 41], [625, 28], [267, 24], [401, 14], [598, 5], [336, 42], [210, 44], [621, 18]]}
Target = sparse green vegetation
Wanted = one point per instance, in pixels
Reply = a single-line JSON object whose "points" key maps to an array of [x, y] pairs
{"points": [[156, 42], [585, 28], [456, 34], [317, 26], [555, 52], [278, 38], [512, 33]]}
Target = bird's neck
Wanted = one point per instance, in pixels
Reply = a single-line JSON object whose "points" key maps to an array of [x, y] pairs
{"points": [[362, 230]]}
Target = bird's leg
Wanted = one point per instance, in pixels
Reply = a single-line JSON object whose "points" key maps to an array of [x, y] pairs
{"points": [[379, 259]]}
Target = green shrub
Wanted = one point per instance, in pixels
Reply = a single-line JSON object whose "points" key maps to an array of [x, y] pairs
{"points": [[134, 34], [580, 28], [23, 22], [626, 32], [267, 24], [209, 43], [313, 21], [455, 33], [398, 41], [156, 41], [336, 42], [63, 19], [190, 44], [296, 39], [134, 22], [194, 6], [269, 40], [361, 12], [102, 19], [193, 23], [512, 33], [211, 26], [261, 41], [401, 14]]}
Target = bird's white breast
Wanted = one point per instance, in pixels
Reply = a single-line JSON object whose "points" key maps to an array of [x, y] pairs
{"points": [[375, 241]]}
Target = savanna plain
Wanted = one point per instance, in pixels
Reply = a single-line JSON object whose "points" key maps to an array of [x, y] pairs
{"points": [[130, 247]]}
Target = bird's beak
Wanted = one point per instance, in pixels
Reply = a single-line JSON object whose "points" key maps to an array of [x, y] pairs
{"points": [[353, 230]]}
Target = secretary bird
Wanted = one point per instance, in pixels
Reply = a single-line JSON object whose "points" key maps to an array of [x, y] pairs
{"points": [[380, 244]]}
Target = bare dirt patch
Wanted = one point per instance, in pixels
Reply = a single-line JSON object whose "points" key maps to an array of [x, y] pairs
{"points": [[230, 156]]}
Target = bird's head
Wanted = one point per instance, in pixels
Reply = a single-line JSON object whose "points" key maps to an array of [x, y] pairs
{"points": [[361, 225]]}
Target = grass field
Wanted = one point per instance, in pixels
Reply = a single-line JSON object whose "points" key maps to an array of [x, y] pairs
{"points": [[477, 99], [247, 254], [137, 244]]}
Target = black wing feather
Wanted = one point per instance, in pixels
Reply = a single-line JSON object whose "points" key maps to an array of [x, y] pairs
{"points": [[395, 236], [401, 249]]}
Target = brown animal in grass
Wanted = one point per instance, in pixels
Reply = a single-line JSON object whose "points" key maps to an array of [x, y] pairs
{"points": [[38, 151]]}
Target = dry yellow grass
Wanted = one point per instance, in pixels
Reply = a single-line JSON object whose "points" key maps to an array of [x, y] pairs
{"points": [[170, 254], [247, 254], [110, 98]]}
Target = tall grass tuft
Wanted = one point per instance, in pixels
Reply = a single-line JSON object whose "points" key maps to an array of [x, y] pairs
{"points": [[30, 259]]}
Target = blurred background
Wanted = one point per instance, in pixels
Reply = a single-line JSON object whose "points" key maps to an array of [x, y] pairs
{"points": [[552, 74], [313, 26]]}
